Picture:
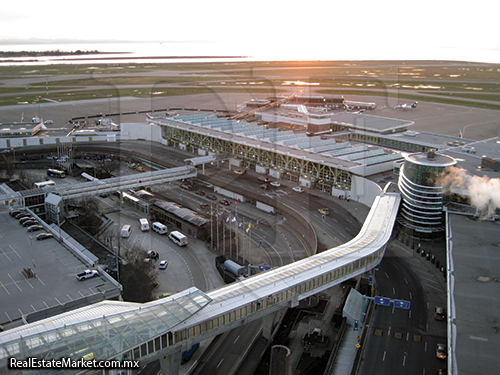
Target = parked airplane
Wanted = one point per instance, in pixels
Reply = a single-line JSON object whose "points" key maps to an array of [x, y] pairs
{"points": [[406, 106]]}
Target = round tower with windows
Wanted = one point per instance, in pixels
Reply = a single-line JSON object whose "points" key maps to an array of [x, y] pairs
{"points": [[422, 196]]}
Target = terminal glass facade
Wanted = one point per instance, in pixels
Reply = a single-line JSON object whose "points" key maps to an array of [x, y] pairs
{"points": [[422, 207]]}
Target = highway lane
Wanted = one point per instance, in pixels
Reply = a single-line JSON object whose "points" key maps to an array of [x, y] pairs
{"points": [[399, 340]]}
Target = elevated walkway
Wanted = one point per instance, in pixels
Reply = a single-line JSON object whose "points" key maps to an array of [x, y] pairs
{"points": [[105, 186], [112, 330]]}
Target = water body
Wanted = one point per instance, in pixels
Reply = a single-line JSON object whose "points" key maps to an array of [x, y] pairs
{"points": [[177, 52]]}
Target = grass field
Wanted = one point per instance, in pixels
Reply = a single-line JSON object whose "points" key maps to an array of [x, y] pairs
{"points": [[460, 83]]}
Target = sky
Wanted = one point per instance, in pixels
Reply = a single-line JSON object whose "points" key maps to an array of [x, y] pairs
{"points": [[372, 26]]}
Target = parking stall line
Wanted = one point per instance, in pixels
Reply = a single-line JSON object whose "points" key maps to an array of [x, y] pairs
{"points": [[3, 286], [15, 252], [15, 283], [4, 253]]}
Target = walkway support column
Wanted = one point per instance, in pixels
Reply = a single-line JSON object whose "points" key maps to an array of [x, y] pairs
{"points": [[267, 326], [171, 363]]}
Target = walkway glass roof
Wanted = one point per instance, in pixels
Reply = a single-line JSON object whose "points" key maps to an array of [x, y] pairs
{"points": [[100, 331]]}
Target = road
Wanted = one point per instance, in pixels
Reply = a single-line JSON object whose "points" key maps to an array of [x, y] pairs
{"points": [[399, 340]]}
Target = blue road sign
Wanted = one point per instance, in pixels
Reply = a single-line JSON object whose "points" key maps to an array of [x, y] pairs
{"points": [[382, 301], [356, 325], [260, 243], [402, 304], [264, 268], [370, 280]]}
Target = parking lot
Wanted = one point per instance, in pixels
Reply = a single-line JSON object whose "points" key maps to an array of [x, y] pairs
{"points": [[48, 279]]}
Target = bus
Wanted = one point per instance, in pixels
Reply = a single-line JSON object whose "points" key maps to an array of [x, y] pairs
{"points": [[144, 224], [56, 173], [45, 184]]}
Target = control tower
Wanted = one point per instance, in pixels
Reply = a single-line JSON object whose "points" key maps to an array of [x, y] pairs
{"points": [[421, 211]]}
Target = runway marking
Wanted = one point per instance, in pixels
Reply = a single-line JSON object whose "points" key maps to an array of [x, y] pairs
{"points": [[383, 358], [237, 338], [220, 362]]}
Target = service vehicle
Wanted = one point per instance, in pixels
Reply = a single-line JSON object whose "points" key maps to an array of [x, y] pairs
{"points": [[178, 238], [56, 173], [324, 211], [126, 230], [159, 228], [87, 274], [144, 224]]}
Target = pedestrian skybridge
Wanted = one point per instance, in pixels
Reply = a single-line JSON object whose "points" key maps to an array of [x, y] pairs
{"points": [[163, 328], [106, 186]]}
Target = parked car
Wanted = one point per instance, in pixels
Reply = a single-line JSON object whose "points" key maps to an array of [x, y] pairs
{"points": [[201, 193], [275, 184], [441, 351], [29, 223], [21, 215], [264, 179], [212, 197], [140, 169], [25, 219], [35, 228], [324, 211], [225, 202], [186, 187], [163, 265], [87, 274], [240, 171], [204, 205], [14, 213], [43, 236], [298, 189], [264, 186]]}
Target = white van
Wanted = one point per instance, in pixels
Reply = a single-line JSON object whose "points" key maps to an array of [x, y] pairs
{"points": [[144, 224], [178, 238], [125, 232], [159, 228]]}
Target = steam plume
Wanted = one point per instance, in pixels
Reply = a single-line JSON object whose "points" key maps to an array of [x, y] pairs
{"points": [[484, 192]]}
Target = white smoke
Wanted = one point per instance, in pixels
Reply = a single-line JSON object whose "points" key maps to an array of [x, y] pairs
{"points": [[483, 192]]}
